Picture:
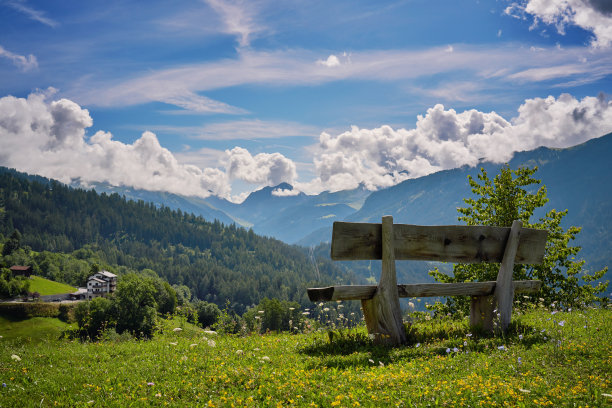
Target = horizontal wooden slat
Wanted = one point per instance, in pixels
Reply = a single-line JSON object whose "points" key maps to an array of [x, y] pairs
{"points": [[360, 292], [446, 243]]}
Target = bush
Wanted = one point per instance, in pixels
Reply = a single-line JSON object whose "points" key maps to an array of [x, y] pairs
{"points": [[29, 310], [208, 313], [95, 316]]}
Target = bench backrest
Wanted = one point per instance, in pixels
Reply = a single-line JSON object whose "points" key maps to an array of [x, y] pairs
{"points": [[446, 243]]}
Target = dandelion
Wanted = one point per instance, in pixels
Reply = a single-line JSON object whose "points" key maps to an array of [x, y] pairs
{"points": [[16, 357], [177, 329]]}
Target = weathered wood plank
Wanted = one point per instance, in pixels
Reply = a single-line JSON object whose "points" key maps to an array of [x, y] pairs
{"points": [[446, 243], [504, 289], [362, 292], [481, 312], [384, 308]]}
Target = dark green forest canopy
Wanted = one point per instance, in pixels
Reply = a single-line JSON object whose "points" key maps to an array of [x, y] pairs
{"points": [[217, 262]]}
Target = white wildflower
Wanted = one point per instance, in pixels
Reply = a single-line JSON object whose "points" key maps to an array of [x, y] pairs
{"points": [[16, 357], [177, 329], [212, 343]]}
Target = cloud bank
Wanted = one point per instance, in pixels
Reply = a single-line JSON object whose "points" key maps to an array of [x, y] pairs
{"points": [[49, 138], [590, 15], [445, 139]]}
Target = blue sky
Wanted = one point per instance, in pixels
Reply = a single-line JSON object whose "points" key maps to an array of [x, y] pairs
{"points": [[224, 97]]}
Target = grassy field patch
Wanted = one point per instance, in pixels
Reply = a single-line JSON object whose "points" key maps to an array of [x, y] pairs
{"points": [[32, 330], [49, 287], [549, 359]]}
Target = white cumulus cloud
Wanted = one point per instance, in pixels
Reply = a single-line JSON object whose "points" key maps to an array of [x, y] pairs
{"points": [[592, 15], [263, 168], [445, 139], [331, 61], [48, 138]]}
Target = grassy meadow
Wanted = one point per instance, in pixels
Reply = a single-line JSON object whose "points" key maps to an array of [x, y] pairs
{"points": [[49, 287], [557, 359]]}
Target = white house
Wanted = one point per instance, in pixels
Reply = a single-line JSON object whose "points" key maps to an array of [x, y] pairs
{"points": [[100, 284]]}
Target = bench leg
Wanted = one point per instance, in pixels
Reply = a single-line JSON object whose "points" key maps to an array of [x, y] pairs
{"points": [[481, 312], [369, 314]]}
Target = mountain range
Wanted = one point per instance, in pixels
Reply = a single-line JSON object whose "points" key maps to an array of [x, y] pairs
{"points": [[577, 179]]}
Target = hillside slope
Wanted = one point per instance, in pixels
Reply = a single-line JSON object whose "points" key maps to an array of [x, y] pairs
{"points": [[218, 263]]}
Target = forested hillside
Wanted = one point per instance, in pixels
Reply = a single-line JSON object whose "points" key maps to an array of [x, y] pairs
{"points": [[217, 262]]}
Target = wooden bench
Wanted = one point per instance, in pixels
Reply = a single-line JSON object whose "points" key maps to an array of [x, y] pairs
{"points": [[454, 243]]}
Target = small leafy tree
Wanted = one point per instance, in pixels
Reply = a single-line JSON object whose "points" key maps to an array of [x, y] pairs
{"points": [[94, 316], [208, 313], [135, 305], [510, 196]]}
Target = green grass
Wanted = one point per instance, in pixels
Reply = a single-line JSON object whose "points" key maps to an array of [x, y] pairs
{"points": [[34, 330], [565, 361], [48, 287]]}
